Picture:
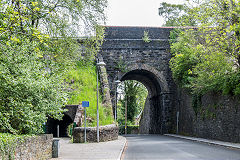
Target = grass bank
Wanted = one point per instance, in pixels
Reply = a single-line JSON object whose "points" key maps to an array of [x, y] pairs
{"points": [[82, 82]]}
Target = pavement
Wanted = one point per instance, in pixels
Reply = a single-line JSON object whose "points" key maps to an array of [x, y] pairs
{"points": [[111, 150], [208, 141]]}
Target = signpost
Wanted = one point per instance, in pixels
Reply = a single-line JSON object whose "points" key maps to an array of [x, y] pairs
{"points": [[85, 104]]}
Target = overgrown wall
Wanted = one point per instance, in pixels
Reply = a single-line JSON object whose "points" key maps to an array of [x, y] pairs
{"points": [[215, 117], [31, 148]]}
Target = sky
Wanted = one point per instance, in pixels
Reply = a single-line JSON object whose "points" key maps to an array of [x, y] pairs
{"points": [[135, 12]]}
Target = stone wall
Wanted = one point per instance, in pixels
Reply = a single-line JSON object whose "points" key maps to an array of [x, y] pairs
{"points": [[144, 125], [217, 117], [34, 148], [106, 133]]}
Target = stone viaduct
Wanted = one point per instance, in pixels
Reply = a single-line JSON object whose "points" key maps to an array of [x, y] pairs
{"points": [[129, 57]]}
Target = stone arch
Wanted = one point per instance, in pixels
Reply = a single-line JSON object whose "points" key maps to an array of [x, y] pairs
{"points": [[144, 67], [154, 117]]}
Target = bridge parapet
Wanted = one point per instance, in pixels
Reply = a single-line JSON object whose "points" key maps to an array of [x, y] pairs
{"points": [[132, 38]]}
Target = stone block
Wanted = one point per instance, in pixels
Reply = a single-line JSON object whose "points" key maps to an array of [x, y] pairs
{"points": [[106, 133]]}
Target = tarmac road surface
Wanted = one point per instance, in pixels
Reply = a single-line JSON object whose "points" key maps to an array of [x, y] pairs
{"points": [[169, 148]]}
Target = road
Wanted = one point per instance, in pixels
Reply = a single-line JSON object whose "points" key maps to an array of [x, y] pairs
{"points": [[169, 148]]}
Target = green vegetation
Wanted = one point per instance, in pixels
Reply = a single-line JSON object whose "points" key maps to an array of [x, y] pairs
{"points": [[145, 37], [8, 144], [171, 13], [36, 51], [82, 82], [135, 93], [207, 58], [121, 65], [131, 129]]}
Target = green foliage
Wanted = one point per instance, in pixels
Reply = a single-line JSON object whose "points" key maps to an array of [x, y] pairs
{"points": [[178, 14], [145, 37], [82, 84], [131, 129], [196, 103], [121, 66], [28, 92], [171, 13], [184, 58], [70, 130], [209, 112], [8, 144], [135, 94], [174, 35], [37, 48], [207, 58], [52, 17]]}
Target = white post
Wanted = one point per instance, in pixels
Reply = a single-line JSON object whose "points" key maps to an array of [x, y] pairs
{"points": [[115, 115], [57, 130], [85, 129], [97, 111]]}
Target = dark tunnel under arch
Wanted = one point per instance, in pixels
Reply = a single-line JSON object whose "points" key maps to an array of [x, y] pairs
{"points": [[63, 126]]}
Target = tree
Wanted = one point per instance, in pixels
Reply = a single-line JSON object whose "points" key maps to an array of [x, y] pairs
{"points": [[171, 13], [37, 47], [207, 58], [178, 14], [135, 94]]}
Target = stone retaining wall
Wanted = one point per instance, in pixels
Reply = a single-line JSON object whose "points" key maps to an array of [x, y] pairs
{"points": [[217, 117], [32, 148], [106, 133]]}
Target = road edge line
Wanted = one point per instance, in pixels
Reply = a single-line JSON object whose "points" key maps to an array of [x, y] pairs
{"points": [[122, 149]]}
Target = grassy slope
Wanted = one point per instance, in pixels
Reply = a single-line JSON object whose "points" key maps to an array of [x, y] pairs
{"points": [[83, 82]]}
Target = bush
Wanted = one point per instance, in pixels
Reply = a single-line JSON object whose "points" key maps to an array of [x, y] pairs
{"points": [[28, 93], [207, 58], [8, 144]]}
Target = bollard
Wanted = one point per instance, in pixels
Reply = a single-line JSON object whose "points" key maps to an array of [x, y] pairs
{"points": [[57, 130], [55, 148]]}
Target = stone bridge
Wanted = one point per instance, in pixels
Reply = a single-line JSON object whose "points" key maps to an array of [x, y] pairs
{"points": [[129, 57]]}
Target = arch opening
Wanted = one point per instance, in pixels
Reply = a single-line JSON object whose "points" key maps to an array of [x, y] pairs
{"points": [[152, 118], [131, 101], [63, 126]]}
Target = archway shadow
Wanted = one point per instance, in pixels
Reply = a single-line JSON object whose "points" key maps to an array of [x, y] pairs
{"points": [[63, 126]]}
